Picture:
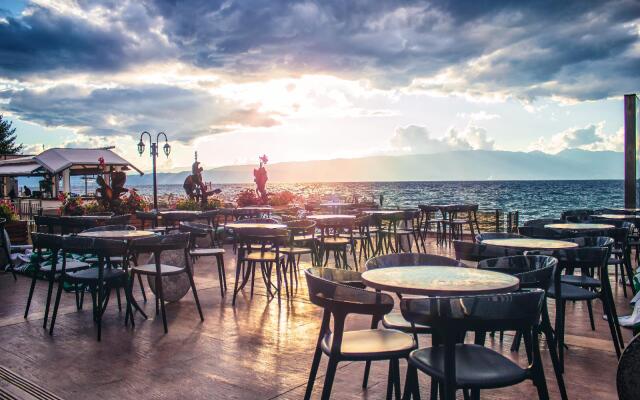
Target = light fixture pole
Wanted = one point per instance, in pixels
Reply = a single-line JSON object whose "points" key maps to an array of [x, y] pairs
{"points": [[154, 154]]}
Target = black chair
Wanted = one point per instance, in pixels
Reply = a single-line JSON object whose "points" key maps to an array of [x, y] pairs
{"points": [[47, 224], [497, 235], [577, 215], [475, 252], [152, 217], [260, 245], [50, 267], [302, 241], [99, 280], [541, 222], [10, 251], [327, 290], [156, 245], [457, 365], [198, 230], [586, 259], [627, 377], [534, 272]]}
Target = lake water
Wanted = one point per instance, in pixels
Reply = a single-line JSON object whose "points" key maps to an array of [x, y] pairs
{"points": [[533, 199]]}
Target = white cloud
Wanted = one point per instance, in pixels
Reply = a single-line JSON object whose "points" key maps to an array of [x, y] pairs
{"points": [[417, 139], [479, 116], [591, 137]]}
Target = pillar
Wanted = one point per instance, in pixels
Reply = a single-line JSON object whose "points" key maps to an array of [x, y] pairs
{"points": [[630, 151]]}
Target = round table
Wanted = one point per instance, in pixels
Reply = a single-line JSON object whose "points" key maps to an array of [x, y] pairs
{"points": [[579, 227], [382, 212], [324, 217], [117, 235], [614, 216], [530, 243], [439, 281], [253, 225]]}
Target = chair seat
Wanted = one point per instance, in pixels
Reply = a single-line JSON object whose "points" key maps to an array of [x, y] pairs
{"points": [[206, 252], [157, 229], [150, 269], [72, 265], [260, 256], [573, 292], [580, 280], [395, 320], [20, 248], [295, 250], [91, 275], [476, 366], [303, 238], [371, 343], [338, 241]]}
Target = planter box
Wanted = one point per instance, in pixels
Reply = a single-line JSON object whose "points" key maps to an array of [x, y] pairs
{"points": [[18, 232]]}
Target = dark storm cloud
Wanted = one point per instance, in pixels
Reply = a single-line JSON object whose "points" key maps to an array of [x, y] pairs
{"points": [[186, 114], [581, 49]]}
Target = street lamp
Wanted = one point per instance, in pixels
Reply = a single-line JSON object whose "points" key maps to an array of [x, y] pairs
{"points": [[154, 154]]}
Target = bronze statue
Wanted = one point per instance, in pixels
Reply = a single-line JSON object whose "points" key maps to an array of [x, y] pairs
{"points": [[261, 178], [194, 186]]}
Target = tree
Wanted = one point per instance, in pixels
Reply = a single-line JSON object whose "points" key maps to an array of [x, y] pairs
{"points": [[8, 138]]}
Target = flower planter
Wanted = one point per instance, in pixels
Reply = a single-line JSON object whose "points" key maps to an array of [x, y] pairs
{"points": [[18, 232]]}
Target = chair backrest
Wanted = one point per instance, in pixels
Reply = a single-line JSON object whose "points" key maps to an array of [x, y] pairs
{"points": [[577, 215], [101, 214], [105, 228], [508, 311], [119, 220], [96, 246], [496, 235], [50, 223], [160, 243], [533, 271], [195, 228], [541, 222], [258, 221], [46, 241], [262, 236], [409, 260], [328, 288], [470, 251], [627, 377], [301, 227], [544, 233], [593, 241]]}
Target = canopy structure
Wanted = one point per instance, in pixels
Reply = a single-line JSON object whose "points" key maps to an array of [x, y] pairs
{"points": [[66, 162]]}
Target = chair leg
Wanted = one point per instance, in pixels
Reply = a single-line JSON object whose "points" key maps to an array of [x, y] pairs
{"points": [[221, 278], [48, 304], [367, 369], [195, 293], [160, 297], [55, 306], [328, 379], [31, 290], [560, 331], [590, 309], [144, 295], [396, 378], [313, 372], [552, 345]]}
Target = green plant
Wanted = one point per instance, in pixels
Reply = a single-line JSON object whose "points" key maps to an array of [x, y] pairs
{"points": [[71, 205], [248, 197], [187, 205], [282, 198], [8, 211]]}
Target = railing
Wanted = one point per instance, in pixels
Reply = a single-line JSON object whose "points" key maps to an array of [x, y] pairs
{"points": [[498, 220]]}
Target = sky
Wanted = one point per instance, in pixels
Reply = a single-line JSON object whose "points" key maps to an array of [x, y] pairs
{"points": [[300, 80]]}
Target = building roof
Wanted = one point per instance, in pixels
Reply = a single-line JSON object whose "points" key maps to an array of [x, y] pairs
{"points": [[79, 161]]}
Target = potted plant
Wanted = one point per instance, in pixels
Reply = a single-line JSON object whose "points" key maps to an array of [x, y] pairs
{"points": [[16, 229]]}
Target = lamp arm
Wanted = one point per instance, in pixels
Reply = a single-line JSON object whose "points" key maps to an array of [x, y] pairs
{"points": [[142, 135], [158, 137]]}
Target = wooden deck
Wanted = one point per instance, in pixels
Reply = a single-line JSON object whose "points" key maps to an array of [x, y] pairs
{"points": [[257, 350]]}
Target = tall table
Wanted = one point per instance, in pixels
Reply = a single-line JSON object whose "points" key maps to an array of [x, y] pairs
{"points": [[380, 216], [325, 222], [439, 281], [127, 235], [530, 243]]}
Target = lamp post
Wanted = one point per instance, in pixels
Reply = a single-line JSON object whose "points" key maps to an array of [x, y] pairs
{"points": [[154, 154]]}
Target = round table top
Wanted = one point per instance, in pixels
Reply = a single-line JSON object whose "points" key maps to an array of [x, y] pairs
{"points": [[117, 235], [320, 217], [255, 208], [89, 216], [632, 210], [180, 212], [579, 227], [253, 225], [382, 212], [530, 243], [439, 281], [335, 204], [613, 216]]}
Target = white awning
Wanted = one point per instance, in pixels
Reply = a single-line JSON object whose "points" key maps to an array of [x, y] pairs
{"points": [[57, 160], [20, 169]]}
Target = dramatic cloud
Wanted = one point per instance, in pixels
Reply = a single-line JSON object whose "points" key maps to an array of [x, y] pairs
{"points": [[417, 139], [186, 114], [591, 137]]}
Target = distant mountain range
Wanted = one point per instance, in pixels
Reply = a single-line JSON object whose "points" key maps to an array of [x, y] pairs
{"points": [[448, 166]]}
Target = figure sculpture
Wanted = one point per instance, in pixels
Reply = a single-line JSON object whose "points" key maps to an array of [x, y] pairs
{"points": [[260, 178], [194, 185]]}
